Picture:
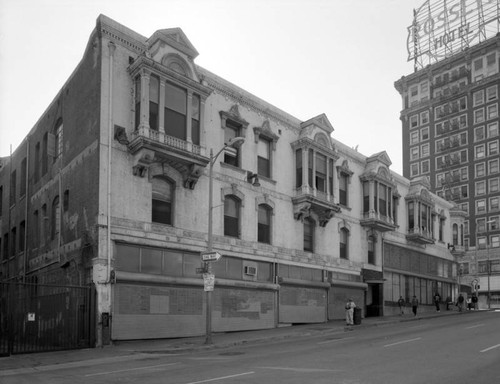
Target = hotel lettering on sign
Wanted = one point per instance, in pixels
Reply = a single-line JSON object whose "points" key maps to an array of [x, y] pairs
{"points": [[443, 28]]}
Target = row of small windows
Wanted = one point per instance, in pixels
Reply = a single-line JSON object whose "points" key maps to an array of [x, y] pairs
{"points": [[481, 207], [483, 114], [488, 132], [479, 98], [163, 213], [171, 262], [453, 124], [462, 191], [480, 186], [484, 96], [482, 171], [453, 81], [421, 168], [46, 227], [459, 233], [52, 148], [491, 148], [453, 141], [454, 158]]}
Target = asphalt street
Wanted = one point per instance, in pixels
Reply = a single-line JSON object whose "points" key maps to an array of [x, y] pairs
{"points": [[449, 349]]}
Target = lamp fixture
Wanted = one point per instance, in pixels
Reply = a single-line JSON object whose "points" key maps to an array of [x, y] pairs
{"points": [[451, 247], [253, 176]]}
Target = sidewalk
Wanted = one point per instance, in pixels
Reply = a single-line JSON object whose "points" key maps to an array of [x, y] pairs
{"points": [[130, 350]]}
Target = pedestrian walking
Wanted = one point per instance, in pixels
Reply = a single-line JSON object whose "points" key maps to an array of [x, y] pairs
{"points": [[469, 303], [437, 300], [414, 305], [401, 303], [460, 303], [474, 301], [349, 312]]}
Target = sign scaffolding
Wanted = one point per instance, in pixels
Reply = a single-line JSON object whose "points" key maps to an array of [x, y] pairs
{"points": [[442, 28]]}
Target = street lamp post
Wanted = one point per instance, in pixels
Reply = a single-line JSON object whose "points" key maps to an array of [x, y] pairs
{"points": [[488, 259], [234, 143]]}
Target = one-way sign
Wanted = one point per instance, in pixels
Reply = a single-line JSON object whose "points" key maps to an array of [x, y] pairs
{"points": [[210, 256]]}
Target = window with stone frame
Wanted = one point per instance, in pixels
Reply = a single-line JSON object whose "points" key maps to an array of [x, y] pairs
{"points": [[309, 225], [371, 250], [493, 148], [479, 116], [478, 98], [494, 203], [493, 166], [344, 243], [491, 93], [492, 111], [492, 130], [479, 133], [154, 102], [264, 157], [167, 104], [55, 219], [493, 185], [58, 139], [231, 154], [162, 200], [264, 224], [232, 206], [343, 188]]}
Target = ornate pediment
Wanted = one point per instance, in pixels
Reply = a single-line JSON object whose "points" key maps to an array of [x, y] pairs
{"points": [[320, 121], [175, 38], [381, 157], [266, 132]]}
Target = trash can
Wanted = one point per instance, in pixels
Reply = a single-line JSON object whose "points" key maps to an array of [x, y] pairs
{"points": [[357, 316]]}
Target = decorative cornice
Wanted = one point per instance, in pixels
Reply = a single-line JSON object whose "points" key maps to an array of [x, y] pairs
{"points": [[246, 101], [123, 39], [306, 143]]}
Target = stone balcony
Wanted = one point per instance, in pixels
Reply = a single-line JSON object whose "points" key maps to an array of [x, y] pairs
{"points": [[151, 146], [378, 222], [309, 202]]}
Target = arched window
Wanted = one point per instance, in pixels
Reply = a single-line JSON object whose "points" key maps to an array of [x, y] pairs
{"points": [[58, 138], [55, 219], [232, 216], [455, 234], [344, 235], [43, 225], [308, 235], [162, 207], [264, 224]]}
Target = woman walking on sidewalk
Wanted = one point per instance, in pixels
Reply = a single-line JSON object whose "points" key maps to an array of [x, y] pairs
{"points": [[414, 305], [349, 312], [401, 303]]}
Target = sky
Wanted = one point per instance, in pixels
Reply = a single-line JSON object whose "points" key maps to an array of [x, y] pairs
{"points": [[306, 57]]}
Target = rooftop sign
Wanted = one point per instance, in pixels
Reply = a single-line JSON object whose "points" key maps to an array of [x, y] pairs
{"points": [[442, 28]]}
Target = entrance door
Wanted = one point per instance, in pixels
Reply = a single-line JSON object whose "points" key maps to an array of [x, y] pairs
{"points": [[374, 300]]}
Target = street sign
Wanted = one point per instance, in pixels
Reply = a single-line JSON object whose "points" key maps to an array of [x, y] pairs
{"points": [[210, 256], [208, 281]]}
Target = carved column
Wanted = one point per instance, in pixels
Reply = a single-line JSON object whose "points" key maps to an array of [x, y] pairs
{"points": [[161, 107], [372, 197], [189, 116], [305, 169], [144, 116]]}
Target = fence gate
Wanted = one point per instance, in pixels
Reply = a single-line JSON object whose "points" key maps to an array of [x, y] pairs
{"points": [[40, 317]]}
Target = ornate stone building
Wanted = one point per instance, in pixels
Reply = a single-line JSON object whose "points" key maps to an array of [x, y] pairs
{"points": [[111, 188]]}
